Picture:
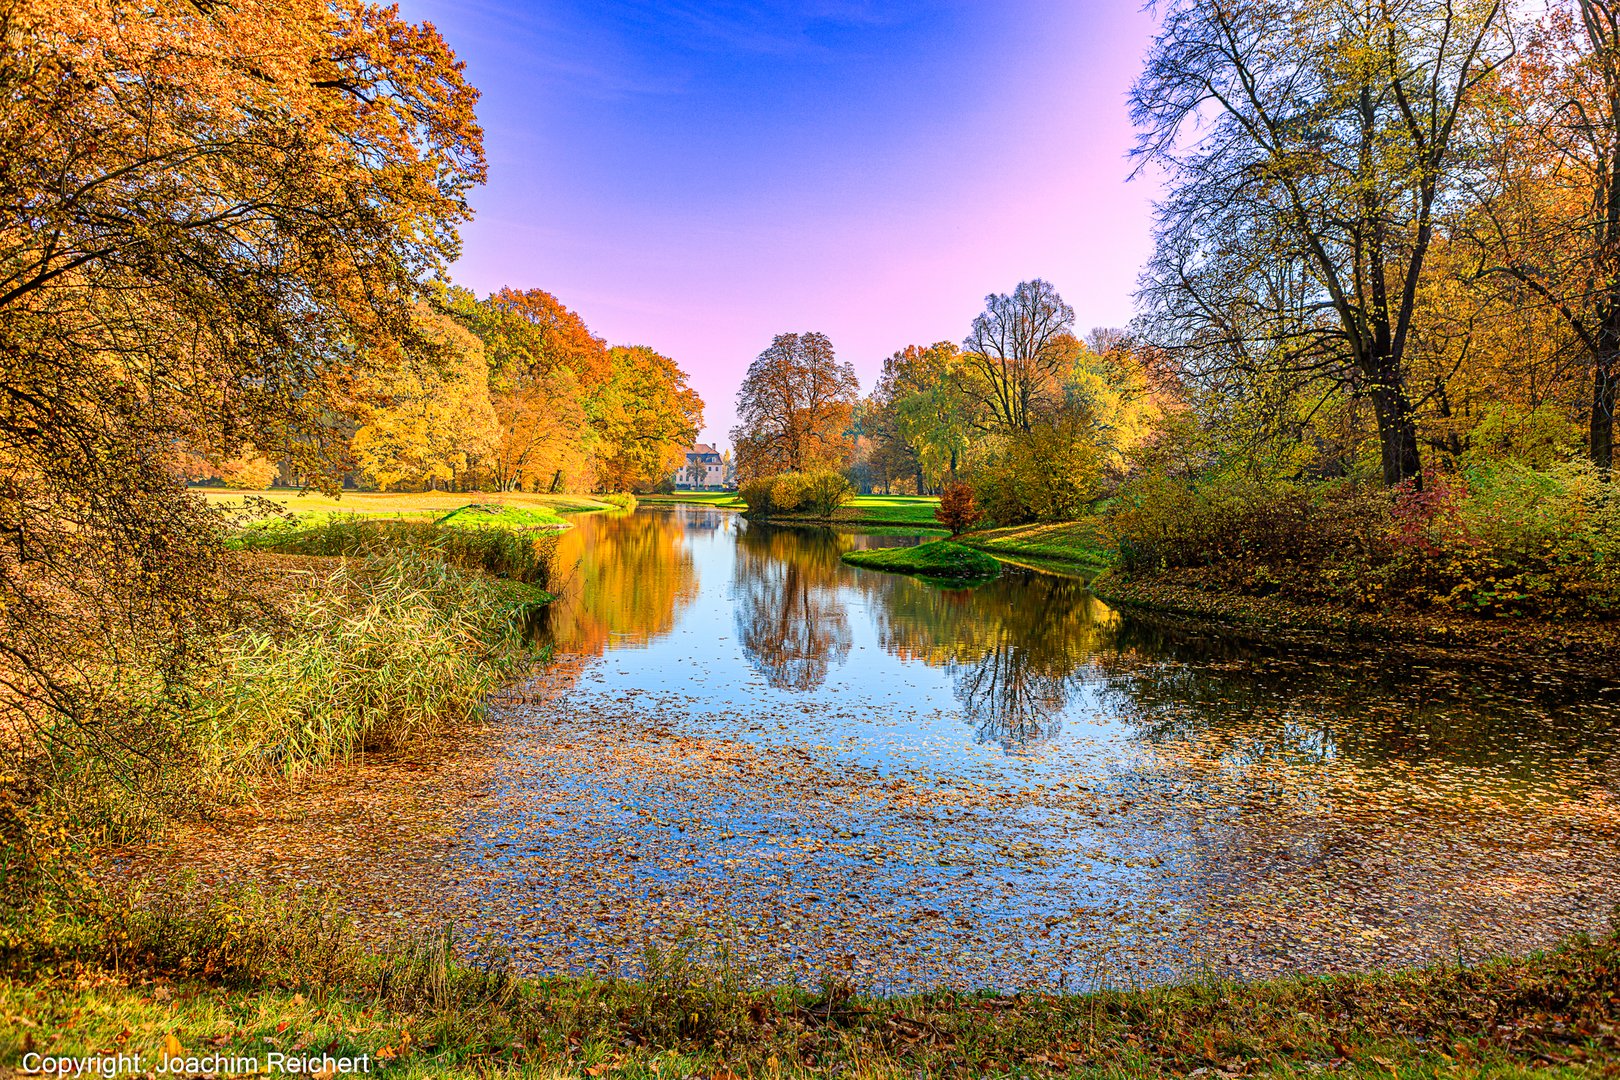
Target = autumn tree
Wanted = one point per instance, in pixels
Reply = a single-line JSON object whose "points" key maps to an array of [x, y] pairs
{"points": [[794, 408], [648, 418], [1311, 149], [924, 390], [545, 365], [215, 216], [882, 454], [1017, 352], [1551, 218], [434, 418]]}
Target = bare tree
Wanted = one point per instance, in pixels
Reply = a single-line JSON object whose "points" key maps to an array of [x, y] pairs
{"points": [[1311, 148], [1016, 352]]}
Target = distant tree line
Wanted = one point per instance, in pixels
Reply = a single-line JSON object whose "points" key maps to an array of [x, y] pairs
{"points": [[1039, 421]]}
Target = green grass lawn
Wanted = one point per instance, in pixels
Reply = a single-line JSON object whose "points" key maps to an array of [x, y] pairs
{"points": [[913, 510], [1549, 1015], [1071, 544], [726, 500], [937, 560], [405, 504], [502, 516]]}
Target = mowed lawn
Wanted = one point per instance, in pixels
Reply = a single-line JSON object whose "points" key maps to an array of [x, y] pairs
{"points": [[1075, 543], [915, 510], [726, 500], [403, 504]]}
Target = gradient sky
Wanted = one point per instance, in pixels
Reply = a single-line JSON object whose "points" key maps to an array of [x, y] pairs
{"points": [[698, 177]]}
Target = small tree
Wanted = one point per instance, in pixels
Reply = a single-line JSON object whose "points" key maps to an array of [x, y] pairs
{"points": [[957, 511], [825, 491]]}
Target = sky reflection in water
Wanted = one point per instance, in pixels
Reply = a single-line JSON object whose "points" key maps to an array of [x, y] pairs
{"points": [[1012, 785]]}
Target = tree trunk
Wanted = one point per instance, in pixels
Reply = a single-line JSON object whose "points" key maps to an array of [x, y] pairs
{"points": [[1397, 430], [1604, 378]]}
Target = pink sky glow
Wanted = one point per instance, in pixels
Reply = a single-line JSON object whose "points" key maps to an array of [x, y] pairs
{"points": [[698, 178]]}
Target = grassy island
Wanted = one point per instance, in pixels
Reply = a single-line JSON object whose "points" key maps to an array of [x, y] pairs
{"points": [[943, 560]]}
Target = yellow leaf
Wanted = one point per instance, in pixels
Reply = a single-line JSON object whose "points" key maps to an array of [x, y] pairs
{"points": [[171, 1046]]}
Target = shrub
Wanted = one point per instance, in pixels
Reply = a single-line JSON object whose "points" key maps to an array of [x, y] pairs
{"points": [[623, 500], [1052, 473], [1499, 540], [824, 491], [819, 493], [757, 494], [957, 510], [789, 491]]}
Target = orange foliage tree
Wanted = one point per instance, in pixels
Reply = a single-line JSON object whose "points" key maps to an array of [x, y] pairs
{"points": [[647, 418], [795, 408], [218, 217]]}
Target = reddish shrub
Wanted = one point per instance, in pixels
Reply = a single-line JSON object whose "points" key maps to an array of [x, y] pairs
{"points": [[957, 511]]}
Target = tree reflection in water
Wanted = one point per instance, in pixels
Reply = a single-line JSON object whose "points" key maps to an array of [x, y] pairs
{"points": [[1017, 647], [620, 577], [790, 620]]}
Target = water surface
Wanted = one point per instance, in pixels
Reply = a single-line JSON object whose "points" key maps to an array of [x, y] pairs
{"points": [[829, 769]]}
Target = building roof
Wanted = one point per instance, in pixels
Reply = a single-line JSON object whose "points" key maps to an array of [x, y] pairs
{"points": [[702, 448]]}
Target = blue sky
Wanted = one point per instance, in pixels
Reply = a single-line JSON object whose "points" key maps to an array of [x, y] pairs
{"points": [[698, 177]]}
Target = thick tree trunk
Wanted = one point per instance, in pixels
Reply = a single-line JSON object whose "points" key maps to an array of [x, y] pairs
{"points": [[1605, 375], [1397, 430]]}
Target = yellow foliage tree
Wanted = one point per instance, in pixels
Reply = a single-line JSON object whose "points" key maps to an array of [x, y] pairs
{"points": [[438, 415]]}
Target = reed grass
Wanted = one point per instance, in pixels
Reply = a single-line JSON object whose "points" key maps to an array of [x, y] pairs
{"points": [[242, 970], [516, 554], [386, 651]]}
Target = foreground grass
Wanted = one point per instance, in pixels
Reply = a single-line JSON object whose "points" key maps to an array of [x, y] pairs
{"points": [[417, 1012], [937, 560], [1068, 545]]}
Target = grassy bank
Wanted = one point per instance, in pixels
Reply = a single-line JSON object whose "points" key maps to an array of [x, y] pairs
{"points": [[914, 512], [937, 560], [247, 975], [1071, 546], [1200, 594], [515, 545], [425, 504]]}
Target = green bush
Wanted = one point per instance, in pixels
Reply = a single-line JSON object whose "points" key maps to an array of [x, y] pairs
{"points": [[623, 500], [1502, 539], [1052, 473], [824, 491], [789, 492], [757, 494], [818, 494]]}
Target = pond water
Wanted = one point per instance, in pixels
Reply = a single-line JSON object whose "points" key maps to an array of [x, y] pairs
{"points": [[746, 742]]}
